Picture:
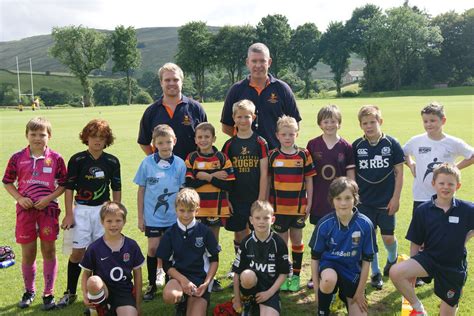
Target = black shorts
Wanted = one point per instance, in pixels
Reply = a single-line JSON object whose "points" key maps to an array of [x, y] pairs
{"points": [[448, 282], [239, 218], [273, 302], [347, 288], [210, 221], [379, 217], [151, 232], [118, 298], [284, 222], [314, 219]]}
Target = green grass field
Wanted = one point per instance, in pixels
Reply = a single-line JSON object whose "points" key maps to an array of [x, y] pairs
{"points": [[401, 120]]}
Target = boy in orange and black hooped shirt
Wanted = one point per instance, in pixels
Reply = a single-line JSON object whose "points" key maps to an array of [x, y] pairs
{"points": [[210, 173], [291, 192]]}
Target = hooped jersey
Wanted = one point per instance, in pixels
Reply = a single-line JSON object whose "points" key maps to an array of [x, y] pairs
{"points": [[288, 185]]}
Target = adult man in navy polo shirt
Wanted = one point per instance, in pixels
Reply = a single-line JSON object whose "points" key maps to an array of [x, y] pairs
{"points": [[174, 109], [272, 97]]}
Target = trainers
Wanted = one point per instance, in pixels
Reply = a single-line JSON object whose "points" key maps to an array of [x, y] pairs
{"points": [[376, 281], [180, 307], [48, 303], [66, 300], [294, 285], [216, 286], [26, 299], [310, 284], [414, 312], [150, 293], [419, 282], [388, 265], [230, 274], [285, 285], [160, 277]]}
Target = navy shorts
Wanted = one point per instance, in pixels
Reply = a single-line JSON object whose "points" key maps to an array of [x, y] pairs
{"points": [[283, 222], [273, 302], [118, 298], [379, 217], [151, 232], [448, 281], [347, 288], [210, 221], [239, 218]]}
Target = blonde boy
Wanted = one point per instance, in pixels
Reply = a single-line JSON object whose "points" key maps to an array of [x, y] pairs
{"points": [[379, 173], [291, 191]]}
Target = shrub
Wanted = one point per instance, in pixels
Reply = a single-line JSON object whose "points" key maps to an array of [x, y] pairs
{"points": [[143, 97], [349, 94]]}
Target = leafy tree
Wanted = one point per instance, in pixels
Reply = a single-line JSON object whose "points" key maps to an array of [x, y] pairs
{"points": [[125, 54], [143, 97], [231, 43], [335, 51], [305, 48], [52, 97], [467, 37], [362, 29], [195, 52], [114, 91], [82, 50], [275, 32], [150, 81]]}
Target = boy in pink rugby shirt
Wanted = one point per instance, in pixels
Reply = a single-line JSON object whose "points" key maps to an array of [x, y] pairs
{"points": [[40, 174]]}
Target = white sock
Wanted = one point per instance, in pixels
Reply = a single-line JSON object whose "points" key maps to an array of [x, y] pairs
{"points": [[418, 306]]}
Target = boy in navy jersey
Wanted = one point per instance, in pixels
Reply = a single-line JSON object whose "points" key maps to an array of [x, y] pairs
{"points": [[249, 155], [190, 257], [261, 265], [442, 225], [90, 173], [110, 264], [379, 173], [344, 244]]}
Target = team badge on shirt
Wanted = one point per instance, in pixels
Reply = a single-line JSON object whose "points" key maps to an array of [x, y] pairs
{"points": [[48, 162], [126, 257], [244, 151], [386, 151], [355, 238], [199, 242], [273, 98], [186, 120]]}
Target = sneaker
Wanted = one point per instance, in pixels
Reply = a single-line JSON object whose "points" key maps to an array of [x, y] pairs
{"points": [[160, 277], [386, 269], [66, 300], [216, 286], [48, 303], [294, 285], [150, 293], [414, 312], [285, 285], [230, 274], [376, 281], [180, 307], [26, 299], [310, 284], [419, 282]]}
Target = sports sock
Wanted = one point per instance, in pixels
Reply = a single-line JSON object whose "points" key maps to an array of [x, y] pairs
{"points": [[73, 273], [50, 272], [29, 274], [324, 302], [375, 264], [151, 263], [418, 306], [236, 246], [297, 256], [391, 251]]}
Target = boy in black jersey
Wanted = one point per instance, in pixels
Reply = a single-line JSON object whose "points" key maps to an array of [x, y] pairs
{"points": [[90, 174], [261, 265]]}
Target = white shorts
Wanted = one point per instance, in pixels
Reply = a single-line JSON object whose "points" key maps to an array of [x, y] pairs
{"points": [[87, 225]]}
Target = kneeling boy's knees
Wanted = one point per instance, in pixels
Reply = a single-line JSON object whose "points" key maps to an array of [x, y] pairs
{"points": [[170, 297], [396, 272], [248, 279], [94, 284]]}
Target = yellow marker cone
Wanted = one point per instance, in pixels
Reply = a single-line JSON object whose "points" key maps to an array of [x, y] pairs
{"points": [[406, 307]]}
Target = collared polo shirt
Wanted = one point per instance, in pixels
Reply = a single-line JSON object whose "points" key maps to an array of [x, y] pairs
{"points": [[187, 115]]}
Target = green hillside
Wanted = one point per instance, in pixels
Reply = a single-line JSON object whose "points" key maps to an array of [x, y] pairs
{"points": [[157, 44]]}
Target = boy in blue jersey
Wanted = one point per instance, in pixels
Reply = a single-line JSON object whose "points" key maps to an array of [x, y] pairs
{"points": [[110, 264], [190, 255], [344, 244], [159, 178], [442, 225], [261, 265], [379, 162]]}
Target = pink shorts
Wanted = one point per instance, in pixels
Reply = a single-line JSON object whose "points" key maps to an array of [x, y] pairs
{"points": [[32, 223]]}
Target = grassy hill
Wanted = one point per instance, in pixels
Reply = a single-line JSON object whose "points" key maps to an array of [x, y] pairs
{"points": [[157, 45]]}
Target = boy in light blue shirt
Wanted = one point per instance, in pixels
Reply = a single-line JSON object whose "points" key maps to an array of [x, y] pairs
{"points": [[159, 178]]}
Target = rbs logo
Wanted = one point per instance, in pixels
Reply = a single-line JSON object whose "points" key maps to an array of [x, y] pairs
{"points": [[374, 163]]}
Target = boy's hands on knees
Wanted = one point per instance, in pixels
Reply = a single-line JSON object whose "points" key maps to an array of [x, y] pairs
{"points": [[201, 289], [189, 288], [68, 221], [359, 299], [263, 296], [87, 302], [25, 202]]}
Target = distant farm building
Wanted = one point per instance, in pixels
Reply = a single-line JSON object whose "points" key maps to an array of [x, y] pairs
{"points": [[353, 76]]}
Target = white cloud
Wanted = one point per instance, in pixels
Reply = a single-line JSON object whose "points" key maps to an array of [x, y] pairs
{"points": [[24, 18]]}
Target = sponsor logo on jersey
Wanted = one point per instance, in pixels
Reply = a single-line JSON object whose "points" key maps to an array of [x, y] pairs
{"points": [[424, 150], [361, 152], [152, 180], [386, 151], [199, 242], [341, 253], [374, 163], [271, 257], [263, 267], [273, 98]]}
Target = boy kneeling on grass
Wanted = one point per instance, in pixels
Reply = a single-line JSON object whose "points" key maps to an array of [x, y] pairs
{"points": [[442, 225]]}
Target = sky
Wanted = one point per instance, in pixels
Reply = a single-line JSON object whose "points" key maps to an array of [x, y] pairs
{"points": [[25, 18]]}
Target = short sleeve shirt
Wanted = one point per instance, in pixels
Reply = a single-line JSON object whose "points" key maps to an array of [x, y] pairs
{"points": [[36, 177], [275, 100], [245, 155], [443, 234], [267, 258], [162, 181], [115, 268], [375, 169], [187, 115], [428, 154], [329, 164], [91, 177], [345, 246]]}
